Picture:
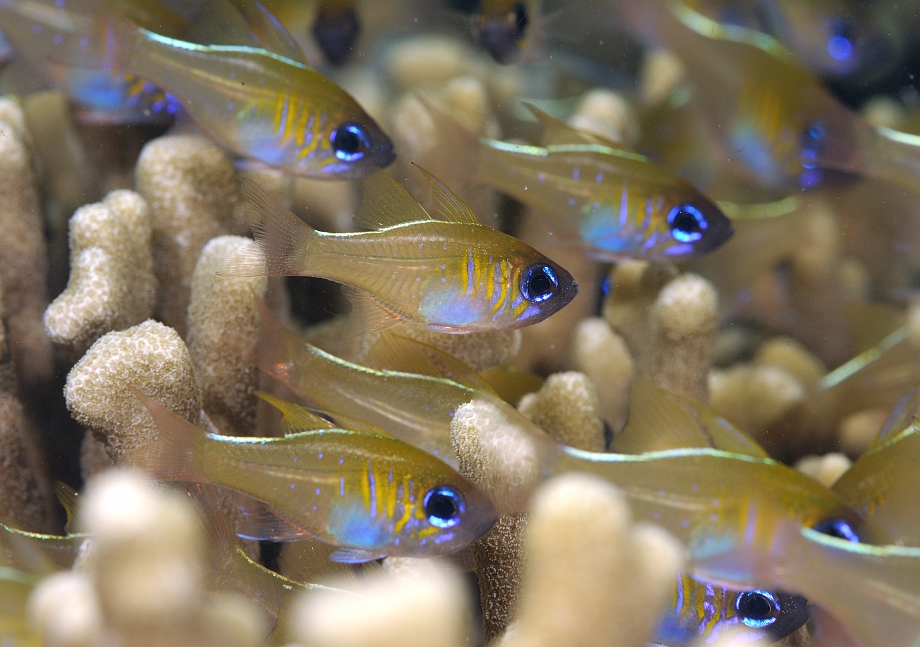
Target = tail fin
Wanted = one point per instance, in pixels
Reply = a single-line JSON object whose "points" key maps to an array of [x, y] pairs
{"points": [[464, 146], [282, 239], [172, 455]]}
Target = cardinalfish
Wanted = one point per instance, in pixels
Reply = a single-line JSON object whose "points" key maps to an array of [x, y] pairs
{"points": [[450, 274], [838, 38], [254, 102], [679, 487], [365, 492], [873, 590], [613, 202], [701, 613], [773, 119]]}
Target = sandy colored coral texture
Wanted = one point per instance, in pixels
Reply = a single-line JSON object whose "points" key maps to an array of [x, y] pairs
{"points": [[149, 357], [567, 408], [23, 250], [111, 286], [223, 332], [191, 187]]}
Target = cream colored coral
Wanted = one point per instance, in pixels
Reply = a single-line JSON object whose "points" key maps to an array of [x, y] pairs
{"points": [[23, 251], [223, 331], [417, 606], [603, 356], [191, 187], [608, 114], [65, 609], [498, 559], [591, 577], [477, 350], [111, 284], [149, 357], [826, 469], [567, 408], [661, 73], [859, 430], [755, 398]]}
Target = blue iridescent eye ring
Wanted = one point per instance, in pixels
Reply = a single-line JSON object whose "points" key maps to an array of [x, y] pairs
{"points": [[444, 506], [687, 223], [539, 283], [757, 609], [349, 142], [837, 528]]}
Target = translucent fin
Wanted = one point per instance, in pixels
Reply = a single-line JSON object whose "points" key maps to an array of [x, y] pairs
{"points": [[366, 315], [871, 322], [396, 352], [296, 417], [268, 30], [722, 434], [354, 556], [450, 207], [282, 239], [262, 523], [308, 561], [655, 423], [557, 132], [68, 497], [511, 383], [387, 203], [170, 456], [901, 417]]}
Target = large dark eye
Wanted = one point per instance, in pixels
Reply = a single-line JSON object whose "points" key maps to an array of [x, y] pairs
{"points": [[757, 609], [521, 19], [336, 31], [687, 223], [443, 505], [349, 142], [539, 283], [837, 528]]}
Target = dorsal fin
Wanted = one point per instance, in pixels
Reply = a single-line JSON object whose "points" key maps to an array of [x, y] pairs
{"points": [[271, 34], [67, 497], [655, 423], [900, 418], [395, 352], [296, 417], [511, 383], [722, 434], [450, 207], [557, 132], [387, 203]]}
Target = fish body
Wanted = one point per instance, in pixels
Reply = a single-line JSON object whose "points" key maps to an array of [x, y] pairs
{"points": [[615, 203], [702, 613], [256, 103], [771, 115], [452, 274], [367, 493]]}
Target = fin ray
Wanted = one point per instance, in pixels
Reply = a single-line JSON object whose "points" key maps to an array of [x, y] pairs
{"points": [[387, 203], [450, 207]]}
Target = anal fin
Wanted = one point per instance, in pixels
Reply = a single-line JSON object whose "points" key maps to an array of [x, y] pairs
{"points": [[262, 523], [354, 556], [366, 315]]}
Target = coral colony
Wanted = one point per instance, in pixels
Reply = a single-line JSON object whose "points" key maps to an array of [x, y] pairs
{"points": [[620, 347]]}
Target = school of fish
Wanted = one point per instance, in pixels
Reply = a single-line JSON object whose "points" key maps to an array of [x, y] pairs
{"points": [[761, 119]]}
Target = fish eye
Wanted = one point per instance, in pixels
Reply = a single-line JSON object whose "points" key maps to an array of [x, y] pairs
{"points": [[521, 18], [687, 223], [443, 506], [349, 142], [837, 528], [539, 283], [757, 609], [336, 31]]}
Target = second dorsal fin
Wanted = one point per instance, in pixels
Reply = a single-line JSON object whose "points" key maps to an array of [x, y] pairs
{"points": [[387, 203], [450, 207], [655, 423], [722, 434], [556, 132], [296, 417]]}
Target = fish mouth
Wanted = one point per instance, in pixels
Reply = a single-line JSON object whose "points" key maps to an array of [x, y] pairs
{"points": [[384, 155]]}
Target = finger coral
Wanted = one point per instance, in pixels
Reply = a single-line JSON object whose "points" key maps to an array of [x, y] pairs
{"points": [[603, 356], [191, 187], [567, 408], [111, 286]]}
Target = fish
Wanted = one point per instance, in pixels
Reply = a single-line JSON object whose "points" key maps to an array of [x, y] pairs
{"points": [[610, 201], [874, 590], [505, 28], [449, 274], [336, 28], [701, 613], [679, 488], [775, 122], [16, 588], [257, 104], [840, 39], [367, 493]]}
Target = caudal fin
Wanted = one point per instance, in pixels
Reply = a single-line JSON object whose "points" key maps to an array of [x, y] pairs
{"points": [[282, 239], [172, 455]]}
